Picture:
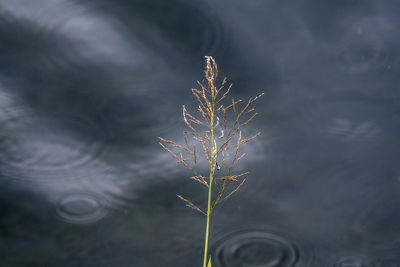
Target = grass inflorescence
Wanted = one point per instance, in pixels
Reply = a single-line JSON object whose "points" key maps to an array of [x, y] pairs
{"points": [[215, 131]]}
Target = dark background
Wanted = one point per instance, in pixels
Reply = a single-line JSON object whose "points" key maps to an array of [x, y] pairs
{"points": [[86, 87]]}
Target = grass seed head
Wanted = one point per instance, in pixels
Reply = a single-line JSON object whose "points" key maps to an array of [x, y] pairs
{"points": [[222, 148]]}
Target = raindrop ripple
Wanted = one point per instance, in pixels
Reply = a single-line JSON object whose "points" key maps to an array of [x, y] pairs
{"points": [[255, 248], [31, 143], [80, 209]]}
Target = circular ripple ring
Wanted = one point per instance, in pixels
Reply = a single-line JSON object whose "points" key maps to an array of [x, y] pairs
{"points": [[255, 248]]}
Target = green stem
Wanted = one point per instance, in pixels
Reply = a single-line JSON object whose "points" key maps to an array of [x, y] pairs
{"points": [[209, 187]]}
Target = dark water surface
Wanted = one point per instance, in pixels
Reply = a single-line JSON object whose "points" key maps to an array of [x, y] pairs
{"points": [[86, 87]]}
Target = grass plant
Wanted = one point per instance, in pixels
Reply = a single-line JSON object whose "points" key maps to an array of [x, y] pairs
{"points": [[216, 130]]}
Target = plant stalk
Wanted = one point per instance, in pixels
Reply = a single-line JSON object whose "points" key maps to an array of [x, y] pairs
{"points": [[210, 185]]}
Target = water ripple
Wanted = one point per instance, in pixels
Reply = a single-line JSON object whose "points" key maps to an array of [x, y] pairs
{"points": [[256, 248], [202, 33], [69, 35], [30, 143], [80, 209]]}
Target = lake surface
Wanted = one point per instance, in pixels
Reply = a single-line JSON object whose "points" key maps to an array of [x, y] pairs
{"points": [[86, 87]]}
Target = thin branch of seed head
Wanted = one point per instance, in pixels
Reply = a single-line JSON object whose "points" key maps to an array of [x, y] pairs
{"points": [[250, 110], [244, 154], [224, 145], [218, 199], [167, 149], [222, 85], [203, 94], [234, 105], [185, 119], [179, 160], [251, 101], [206, 152], [216, 185], [228, 178], [194, 154], [192, 118], [190, 204], [224, 119], [200, 139], [236, 151], [207, 137], [249, 120], [183, 162], [185, 137], [238, 175], [235, 190], [231, 105], [225, 94], [192, 133], [184, 159], [199, 179], [257, 97], [204, 115], [200, 95], [225, 180], [249, 139], [176, 145], [198, 122], [219, 196], [233, 129]]}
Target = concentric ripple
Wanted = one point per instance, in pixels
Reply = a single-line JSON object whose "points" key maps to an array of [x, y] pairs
{"points": [[31, 143], [202, 34], [255, 248], [80, 209]]}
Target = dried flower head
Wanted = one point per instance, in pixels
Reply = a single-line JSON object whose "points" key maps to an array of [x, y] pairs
{"points": [[208, 121], [218, 135]]}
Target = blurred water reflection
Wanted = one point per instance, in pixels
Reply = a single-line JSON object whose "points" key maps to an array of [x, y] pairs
{"points": [[86, 87]]}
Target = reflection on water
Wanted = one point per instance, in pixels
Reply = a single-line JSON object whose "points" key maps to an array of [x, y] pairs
{"points": [[86, 87]]}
